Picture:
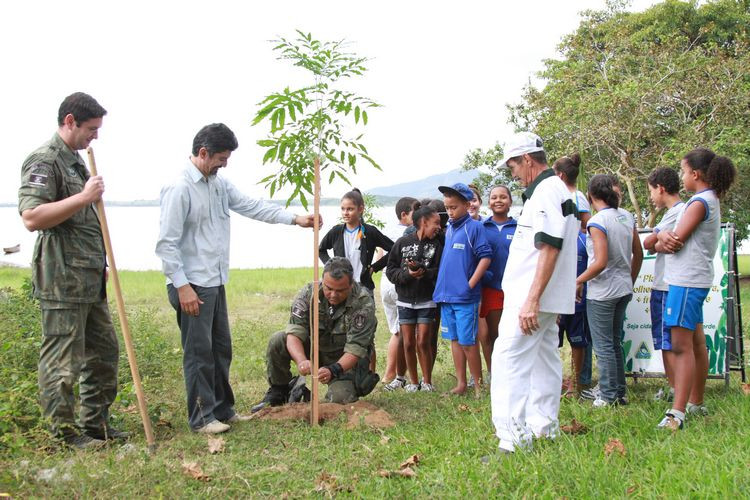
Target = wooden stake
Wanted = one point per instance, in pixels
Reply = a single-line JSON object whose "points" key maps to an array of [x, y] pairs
{"points": [[314, 400], [123, 318]]}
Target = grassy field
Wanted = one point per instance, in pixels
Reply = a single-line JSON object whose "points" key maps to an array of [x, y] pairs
{"points": [[453, 436]]}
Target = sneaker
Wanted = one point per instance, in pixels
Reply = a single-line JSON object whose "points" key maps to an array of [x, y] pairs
{"points": [[213, 427], [670, 396], [84, 442], [108, 434], [471, 382], [237, 418], [623, 401], [600, 403], [411, 387], [593, 394], [698, 410], [396, 383], [276, 395], [660, 394], [670, 422], [426, 387]]}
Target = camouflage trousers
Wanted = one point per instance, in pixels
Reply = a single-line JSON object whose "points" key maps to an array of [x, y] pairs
{"points": [[341, 390], [79, 342]]}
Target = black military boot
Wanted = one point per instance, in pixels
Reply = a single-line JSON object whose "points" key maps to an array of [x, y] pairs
{"points": [[276, 395], [108, 434], [298, 391]]}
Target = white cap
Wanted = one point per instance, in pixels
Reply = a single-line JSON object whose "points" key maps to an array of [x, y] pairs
{"points": [[520, 144]]}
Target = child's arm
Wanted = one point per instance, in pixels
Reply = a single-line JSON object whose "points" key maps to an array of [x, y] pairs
{"points": [[649, 242], [637, 258], [384, 242], [599, 237], [325, 245], [694, 214], [484, 263]]}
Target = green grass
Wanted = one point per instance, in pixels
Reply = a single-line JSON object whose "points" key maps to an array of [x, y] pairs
{"points": [[743, 265], [451, 435]]}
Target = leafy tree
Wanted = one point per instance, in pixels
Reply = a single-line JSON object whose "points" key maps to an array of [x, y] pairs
{"points": [[309, 122], [487, 163], [636, 91]]}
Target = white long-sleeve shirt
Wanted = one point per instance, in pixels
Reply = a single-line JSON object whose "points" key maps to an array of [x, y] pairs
{"points": [[194, 226]]}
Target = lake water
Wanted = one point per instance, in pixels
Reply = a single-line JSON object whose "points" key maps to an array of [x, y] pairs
{"points": [[134, 231]]}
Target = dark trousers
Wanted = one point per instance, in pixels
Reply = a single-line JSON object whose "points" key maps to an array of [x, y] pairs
{"points": [[207, 354]]}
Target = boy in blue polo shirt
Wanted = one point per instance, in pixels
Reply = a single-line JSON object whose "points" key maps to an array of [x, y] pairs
{"points": [[466, 256]]}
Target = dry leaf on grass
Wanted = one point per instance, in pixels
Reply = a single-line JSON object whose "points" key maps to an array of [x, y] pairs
{"points": [[631, 490], [463, 407], [614, 445], [575, 427], [384, 439], [406, 472], [746, 389], [215, 445], [195, 471], [164, 423], [329, 484], [409, 462]]}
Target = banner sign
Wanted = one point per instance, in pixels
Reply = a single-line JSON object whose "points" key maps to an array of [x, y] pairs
{"points": [[637, 344]]}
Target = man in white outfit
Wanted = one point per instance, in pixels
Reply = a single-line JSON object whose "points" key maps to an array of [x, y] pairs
{"points": [[541, 271]]}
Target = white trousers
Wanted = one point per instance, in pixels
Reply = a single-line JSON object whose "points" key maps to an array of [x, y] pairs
{"points": [[388, 295], [526, 380]]}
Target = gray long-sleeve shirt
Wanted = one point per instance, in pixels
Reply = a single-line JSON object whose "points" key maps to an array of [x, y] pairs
{"points": [[194, 226]]}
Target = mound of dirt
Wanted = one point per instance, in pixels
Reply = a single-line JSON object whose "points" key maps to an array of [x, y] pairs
{"points": [[359, 413]]}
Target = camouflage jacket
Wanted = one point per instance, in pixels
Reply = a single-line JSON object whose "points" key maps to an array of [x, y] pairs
{"points": [[349, 327], [69, 260]]}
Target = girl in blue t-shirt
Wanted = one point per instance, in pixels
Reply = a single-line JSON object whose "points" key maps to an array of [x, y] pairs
{"points": [[689, 273]]}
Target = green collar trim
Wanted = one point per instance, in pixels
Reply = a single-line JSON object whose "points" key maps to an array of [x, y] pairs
{"points": [[547, 172]]}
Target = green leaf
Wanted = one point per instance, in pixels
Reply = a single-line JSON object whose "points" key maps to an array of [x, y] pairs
{"points": [[266, 143], [291, 112], [270, 155], [364, 118], [356, 114]]}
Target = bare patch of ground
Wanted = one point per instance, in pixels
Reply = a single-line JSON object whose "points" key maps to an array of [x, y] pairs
{"points": [[358, 414]]}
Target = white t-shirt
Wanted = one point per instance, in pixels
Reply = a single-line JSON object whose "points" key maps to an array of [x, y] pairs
{"points": [[666, 224], [582, 203], [614, 281], [549, 217], [352, 242], [693, 265]]}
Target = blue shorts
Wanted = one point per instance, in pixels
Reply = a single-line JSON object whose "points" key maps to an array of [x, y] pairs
{"points": [[576, 327], [411, 316], [660, 332], [460, 322], [684, 306]]}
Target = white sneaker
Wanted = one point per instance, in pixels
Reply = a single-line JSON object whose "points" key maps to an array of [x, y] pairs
{"points": [[471, 382], [696, 410], [600, 403], [660, 394], [426, 387], [670, 422], [594, 393], [411, 387], [396, 383], [213, 427]]}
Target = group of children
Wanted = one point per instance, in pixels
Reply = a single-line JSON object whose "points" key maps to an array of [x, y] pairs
{"points": [[447, 269]]}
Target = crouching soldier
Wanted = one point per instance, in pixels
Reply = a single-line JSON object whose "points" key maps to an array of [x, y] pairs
{"points": [[346, 339]]}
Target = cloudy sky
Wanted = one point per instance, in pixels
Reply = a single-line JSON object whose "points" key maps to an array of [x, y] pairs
{"points": [[443, 71]]}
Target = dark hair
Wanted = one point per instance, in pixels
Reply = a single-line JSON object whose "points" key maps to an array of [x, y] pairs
{"points": [[355, 196], [82, 106], [568, 166], [601, 187], [503, 186], [665, 177], [475, 190], [406, 204], [539, 157], [717, 171], [216, 138], [338, 267], [420, 214], [439, 207]]}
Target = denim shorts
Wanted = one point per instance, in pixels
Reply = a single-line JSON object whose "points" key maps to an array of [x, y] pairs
{"points": [[684, 306], [411, 316]]}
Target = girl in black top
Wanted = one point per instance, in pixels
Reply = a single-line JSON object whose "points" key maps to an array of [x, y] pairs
{"points": [[356, 241]]}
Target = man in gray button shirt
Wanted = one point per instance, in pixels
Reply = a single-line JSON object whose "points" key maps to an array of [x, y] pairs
{"points": [[194, 248]]}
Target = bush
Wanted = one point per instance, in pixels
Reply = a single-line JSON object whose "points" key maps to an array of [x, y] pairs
{"points": [[20, 341]]}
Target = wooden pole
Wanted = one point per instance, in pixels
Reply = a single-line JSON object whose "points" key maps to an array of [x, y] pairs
{"points": [[123, 318], [314, 400]]}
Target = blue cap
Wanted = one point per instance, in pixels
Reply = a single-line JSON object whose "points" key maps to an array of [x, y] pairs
{"points": [[458, 189]]}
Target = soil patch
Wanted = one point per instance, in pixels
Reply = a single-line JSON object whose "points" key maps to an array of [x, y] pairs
{"points": [[358, 414]]}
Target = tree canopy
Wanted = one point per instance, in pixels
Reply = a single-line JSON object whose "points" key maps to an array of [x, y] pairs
{"points": [[635, 91]]}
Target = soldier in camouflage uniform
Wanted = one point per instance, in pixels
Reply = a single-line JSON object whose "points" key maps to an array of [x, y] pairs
{"points": [[68, 276], [347, 333]]}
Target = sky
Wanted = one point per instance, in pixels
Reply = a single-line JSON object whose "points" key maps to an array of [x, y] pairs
{"points": [[443, 71]]}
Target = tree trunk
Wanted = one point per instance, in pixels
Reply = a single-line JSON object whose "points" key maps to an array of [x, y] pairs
{"points": [[634, 201]]}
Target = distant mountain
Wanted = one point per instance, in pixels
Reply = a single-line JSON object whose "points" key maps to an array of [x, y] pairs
{"points": [[427, 187]]}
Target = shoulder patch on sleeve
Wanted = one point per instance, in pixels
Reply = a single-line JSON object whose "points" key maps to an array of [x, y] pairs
{"points": [[39, 175], [359, 320]]}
